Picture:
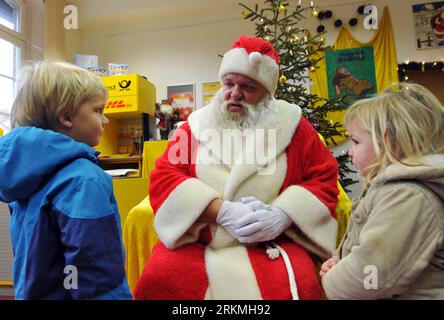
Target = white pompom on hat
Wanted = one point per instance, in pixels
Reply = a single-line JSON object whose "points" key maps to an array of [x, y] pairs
{"points": [[255, 58]]}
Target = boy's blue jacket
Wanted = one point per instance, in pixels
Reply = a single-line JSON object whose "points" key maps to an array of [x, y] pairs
{"points": [[65, 224]]}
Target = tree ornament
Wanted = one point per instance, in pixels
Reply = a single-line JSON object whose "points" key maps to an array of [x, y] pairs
{"points": [[282, 8], [312, 69], [244, 13], [314, 13], [282, 79], [296, 39]]}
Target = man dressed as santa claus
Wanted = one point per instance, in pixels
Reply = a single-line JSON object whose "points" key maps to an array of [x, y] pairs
{"points": [[245, 194]]}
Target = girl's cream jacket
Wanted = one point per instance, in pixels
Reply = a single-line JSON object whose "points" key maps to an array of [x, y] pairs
{"points": [[393, 246]]}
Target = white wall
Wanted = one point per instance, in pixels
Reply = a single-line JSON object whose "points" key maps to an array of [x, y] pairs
{"points": [[169, 56], [34, 29]]}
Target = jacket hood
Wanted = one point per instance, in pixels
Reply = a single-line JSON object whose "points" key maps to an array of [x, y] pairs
{"points": [[29, 155], [431, 175]]}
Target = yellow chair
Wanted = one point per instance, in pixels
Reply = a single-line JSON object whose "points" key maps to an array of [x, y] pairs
{"points": [[139, 238]]}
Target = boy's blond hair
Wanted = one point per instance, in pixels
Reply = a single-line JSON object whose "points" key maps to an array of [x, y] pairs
{"points": [[405, 124], [48, 89]]}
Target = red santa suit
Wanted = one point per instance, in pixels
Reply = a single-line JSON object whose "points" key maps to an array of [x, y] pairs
{"points": [[196, 260]]}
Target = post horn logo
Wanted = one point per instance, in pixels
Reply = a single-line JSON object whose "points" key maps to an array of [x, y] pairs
{"points": [[124, 84]]}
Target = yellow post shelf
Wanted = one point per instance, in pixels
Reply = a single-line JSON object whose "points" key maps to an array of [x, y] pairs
{"points": [[130, 97]]}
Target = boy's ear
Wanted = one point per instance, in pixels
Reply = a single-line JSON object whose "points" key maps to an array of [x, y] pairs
{"points": [[65, 120]]}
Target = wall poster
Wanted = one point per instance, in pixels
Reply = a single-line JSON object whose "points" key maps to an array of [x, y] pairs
{"points": [[351, 73], [429, 24], [182, 98], [209, 90]]}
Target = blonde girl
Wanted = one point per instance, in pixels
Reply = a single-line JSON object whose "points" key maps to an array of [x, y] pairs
{"points": [[393, 246]]}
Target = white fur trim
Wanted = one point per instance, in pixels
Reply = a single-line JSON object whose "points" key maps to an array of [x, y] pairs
{"points": [[312, 218], [288, 120], [237, 60], [175, 220], [230, 274]]}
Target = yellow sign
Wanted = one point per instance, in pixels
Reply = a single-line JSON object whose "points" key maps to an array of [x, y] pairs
{"points": [[129, 95], [209, 89]]}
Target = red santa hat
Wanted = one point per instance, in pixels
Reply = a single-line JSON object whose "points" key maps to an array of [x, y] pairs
{"points": [[255, 58]]}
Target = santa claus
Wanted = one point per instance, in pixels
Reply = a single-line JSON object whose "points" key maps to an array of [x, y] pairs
{"points": [[232, 224], [437, 23]]}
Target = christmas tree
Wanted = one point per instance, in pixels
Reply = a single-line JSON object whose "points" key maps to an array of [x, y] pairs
{"points": [[277, 23]]}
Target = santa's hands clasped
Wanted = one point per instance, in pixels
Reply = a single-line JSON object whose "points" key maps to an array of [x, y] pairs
{"points": [[252, 221], [264, 223], [230, 213]]}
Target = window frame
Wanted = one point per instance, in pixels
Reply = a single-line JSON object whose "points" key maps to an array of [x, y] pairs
{"points": [[17, 38]]}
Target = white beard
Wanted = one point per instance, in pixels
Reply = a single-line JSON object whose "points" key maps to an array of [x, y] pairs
{"points": [[263, 115], [166, 109]]}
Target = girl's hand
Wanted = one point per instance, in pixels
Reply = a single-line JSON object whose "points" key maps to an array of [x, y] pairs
{"points": [[327, 265]]}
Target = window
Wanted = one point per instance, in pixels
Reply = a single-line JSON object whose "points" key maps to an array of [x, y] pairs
{"points": [[11, 42], [10, 14], [9, 58]]}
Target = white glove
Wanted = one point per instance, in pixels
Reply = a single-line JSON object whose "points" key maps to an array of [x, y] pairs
{"points": [[229, 213], [254, 203], [262, 225]]}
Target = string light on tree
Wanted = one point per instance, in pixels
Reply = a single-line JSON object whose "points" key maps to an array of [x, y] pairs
{"points": [[315, 13], [423, 66]]}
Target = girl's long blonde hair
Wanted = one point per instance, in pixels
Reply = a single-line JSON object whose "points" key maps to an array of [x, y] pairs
{"points": [[405, 122]]}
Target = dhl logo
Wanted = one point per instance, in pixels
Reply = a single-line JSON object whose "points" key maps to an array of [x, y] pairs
{"points": [[115, 104]]}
